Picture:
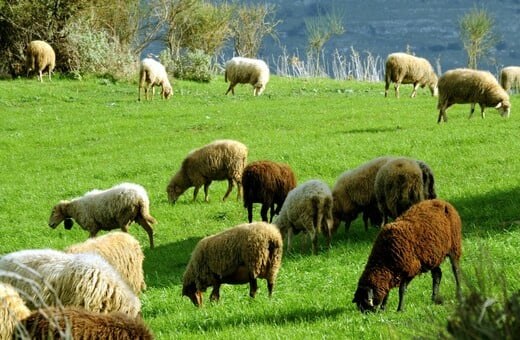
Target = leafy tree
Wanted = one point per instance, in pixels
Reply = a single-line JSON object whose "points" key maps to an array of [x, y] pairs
{"points": [[477, 35]]}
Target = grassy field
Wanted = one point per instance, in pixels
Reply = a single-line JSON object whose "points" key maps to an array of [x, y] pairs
{"points": [[63, 138]]}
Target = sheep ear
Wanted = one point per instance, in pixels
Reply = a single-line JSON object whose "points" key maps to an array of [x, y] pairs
{"points": [[499, 105]]}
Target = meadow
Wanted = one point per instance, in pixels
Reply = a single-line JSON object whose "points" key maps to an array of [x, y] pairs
{"points": [[63, 138]]}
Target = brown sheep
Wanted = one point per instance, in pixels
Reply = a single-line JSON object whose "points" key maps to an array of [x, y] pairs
{"points": [[401, 183], [220, 160], [268, 183], [235, 256], [416, 242], [77, 323], [354, 193], [39, 56]]}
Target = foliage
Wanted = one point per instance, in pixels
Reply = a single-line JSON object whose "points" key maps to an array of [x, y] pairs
{"points": [[190, 65], [477, 34]]}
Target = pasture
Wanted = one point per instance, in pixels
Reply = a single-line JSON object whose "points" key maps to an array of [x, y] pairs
{"points": [[63, 138]]}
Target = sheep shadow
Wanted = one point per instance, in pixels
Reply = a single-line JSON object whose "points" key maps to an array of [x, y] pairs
{"points": [[161, 268]]}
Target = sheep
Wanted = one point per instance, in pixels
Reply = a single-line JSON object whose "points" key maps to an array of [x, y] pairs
{"points": [[268, 183], [152, 73], [39, 56], [401, 183], [307, 208], [47, 277], [403, 68], [354, 193], [241, 70], [220, 160], [510, 77], [461, 86], [12, 310], [120, 250], [108, 209], [78, 323], [235, 256], [416, 242]]}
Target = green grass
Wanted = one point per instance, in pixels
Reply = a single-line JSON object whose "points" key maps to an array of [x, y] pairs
{"points": [[62, 138]]}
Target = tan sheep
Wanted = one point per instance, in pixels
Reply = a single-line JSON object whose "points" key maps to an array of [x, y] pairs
{"points": [[77, 323], [238, 255], [403, 68], [12, 310], [152, 73], [241, 70], [108, 209], [354, 193], [462, 86], [220, 160], [510, 78], [39, 56], [307, 208], [122, 251]]}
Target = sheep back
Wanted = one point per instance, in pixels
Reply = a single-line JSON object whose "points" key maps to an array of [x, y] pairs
{"points": [[152, 73], [403, 68], [241, 70], [268, 183], [54, 323], [463, 86], [51, 278], [12, 310], [256, 246], [120, 250], [308, 208], [217, 161], [354, 192], [39, 56], [510, 77], [416, 242]]}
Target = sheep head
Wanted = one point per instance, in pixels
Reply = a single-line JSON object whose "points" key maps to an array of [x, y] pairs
{"points": [[58, 214], [364, 299], [190, 290]]}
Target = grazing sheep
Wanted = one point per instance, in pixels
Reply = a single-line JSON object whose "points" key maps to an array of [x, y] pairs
{"points": [[109, 209], [510, 77], [354, 193], [247, 71], [152, 73], [12, 310], [307, 208], [268, 183], [461, 86], [403, 68], [47, 277], [39, 56], [416, 242], [235, 256], [401, 183], [77, 323], [220, 160], [122, 251]]}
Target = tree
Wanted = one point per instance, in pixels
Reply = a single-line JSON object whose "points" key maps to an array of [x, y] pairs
{"points": [[477, 35]]}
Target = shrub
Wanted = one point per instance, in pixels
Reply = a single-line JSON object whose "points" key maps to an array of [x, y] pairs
{"points": [[190, 65]]}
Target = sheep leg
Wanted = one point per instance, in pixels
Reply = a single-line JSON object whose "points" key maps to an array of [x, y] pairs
{"points": [[482, 114], [263, 212], [253, 286], [147, 227], [414, 92], [402, 290], [472, 110], [314, 238], [231, 88], [396, 86], [436, 282], [387, 86], [195, 192], [326, 233], [231, 184], [206, 189], [250, 212], [442, 115], [289, 239], [270, 286], [215, 293], [456, 272]]}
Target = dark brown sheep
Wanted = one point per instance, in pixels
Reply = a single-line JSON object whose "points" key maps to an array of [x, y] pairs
{"points": [[77, 323], [417, 242], [268, 183]]}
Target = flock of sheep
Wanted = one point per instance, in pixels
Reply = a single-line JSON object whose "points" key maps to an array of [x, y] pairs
{"points": [[92, 289]]}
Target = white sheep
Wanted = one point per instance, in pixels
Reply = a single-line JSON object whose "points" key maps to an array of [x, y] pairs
{"points": [[235, 256], [241, 70], [307, 208], [39, 56], [122, 251], [403, 68], [12, 310], [510, 77], [109, 209], [462, 86], [152, 73], [53, 278], [220, 160]]}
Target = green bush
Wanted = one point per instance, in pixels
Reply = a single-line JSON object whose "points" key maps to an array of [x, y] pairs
{"points": [[195, 66]]}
